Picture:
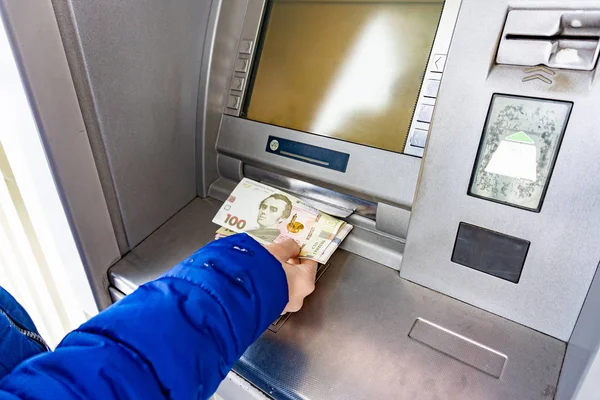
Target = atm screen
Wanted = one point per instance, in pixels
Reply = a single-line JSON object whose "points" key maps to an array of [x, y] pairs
{"points": [[351, 70]]}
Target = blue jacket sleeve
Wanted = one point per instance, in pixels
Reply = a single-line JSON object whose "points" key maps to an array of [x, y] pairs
{"points": [[174, 338]]}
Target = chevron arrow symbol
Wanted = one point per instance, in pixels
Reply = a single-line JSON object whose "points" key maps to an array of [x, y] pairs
{"points": [[537, 76], [539, 68]]}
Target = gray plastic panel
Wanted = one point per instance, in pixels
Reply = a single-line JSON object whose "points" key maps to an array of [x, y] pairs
{"points": [[589, 387], [564, 236], [371, 174], [142, 63]]}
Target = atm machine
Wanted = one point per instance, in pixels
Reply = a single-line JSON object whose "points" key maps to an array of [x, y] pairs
{"points": [[458, 137]]}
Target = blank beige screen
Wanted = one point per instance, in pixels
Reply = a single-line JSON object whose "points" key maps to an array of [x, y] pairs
{"points": [[349, 70]]}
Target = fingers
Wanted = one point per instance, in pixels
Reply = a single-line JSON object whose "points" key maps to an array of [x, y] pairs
{"points": [[300, 274], [306, 273], [285, 250], [308, 276], [309, 265], [293, 306]]}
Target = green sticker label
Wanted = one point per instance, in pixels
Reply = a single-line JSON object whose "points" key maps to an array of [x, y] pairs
{"points": [[520, 137]]}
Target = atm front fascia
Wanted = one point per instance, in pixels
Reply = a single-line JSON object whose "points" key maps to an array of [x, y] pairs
{"points": [[438, 328]]}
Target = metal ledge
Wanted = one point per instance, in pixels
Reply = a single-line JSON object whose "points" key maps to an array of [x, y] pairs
{"points": [[351, 339]]}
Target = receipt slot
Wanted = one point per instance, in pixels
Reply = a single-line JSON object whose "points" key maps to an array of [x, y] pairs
{"points": [[567, 39]]}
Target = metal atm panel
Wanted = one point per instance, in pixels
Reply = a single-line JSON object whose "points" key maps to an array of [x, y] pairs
{"points": [[365, 332], [370, 172], [400, 340], [385, 34], [563, 229], [333, 309]]}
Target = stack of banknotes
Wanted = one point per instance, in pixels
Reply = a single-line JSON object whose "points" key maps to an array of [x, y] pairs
{"points": [[272, 216]]}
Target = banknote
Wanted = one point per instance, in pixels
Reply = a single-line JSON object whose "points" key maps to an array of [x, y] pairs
{"points": [[334, 244], [272, 216], [328, 249]]}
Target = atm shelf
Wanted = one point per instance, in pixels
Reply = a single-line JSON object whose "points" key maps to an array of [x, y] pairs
{"points": [[187, 231], [351, 339]]}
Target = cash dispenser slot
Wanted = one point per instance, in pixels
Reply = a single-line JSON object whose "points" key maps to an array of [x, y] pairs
{"points": [[331, 202], [379, 229], [564, 39]]}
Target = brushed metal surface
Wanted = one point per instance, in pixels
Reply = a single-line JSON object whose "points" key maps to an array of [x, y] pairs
{"points": [[73, 51], [367, 241], [392, 220], [350, 341], [564, 236], [234, 387], [372, 174], [142, 61], [334, 203], [186, 232], [462, 348]]}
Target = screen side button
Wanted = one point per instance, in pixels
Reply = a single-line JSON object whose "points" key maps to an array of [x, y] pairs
{"points": [[438, 63], [233, 102], [246, 46], [425, 113], [237, 83], [431, 88], [418, 138], [241, 65]]}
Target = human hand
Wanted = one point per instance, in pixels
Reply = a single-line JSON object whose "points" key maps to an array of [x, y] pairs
{"points": [[300, 274]]}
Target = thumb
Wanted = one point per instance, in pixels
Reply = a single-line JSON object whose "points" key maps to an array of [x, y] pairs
{"points": [[285, 250]]}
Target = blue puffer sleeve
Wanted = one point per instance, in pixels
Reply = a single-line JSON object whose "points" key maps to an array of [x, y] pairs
{"points": [[174, 338], [14, 345]]}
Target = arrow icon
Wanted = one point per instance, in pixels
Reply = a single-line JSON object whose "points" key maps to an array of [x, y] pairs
{"points": [[537, 76], [439, 62], [540, 68], [436, 63]]}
